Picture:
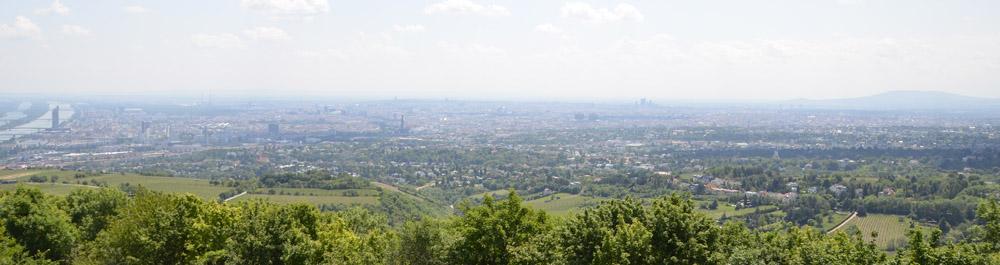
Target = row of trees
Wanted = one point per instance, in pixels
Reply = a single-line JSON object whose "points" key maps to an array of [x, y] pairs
{"points": [[107, 226]]}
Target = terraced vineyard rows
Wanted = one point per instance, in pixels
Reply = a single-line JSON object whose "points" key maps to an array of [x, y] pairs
{"points": [[890, 229]]}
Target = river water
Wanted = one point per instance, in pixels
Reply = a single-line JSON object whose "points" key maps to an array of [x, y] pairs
{"points": [[42, 123]]}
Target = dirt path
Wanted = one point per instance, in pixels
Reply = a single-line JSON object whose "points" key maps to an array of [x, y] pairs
{"points": [[428, 185], [842, 224], [17, 175], [235, 196]]}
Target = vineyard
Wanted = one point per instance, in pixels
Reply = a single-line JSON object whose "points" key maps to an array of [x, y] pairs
{"points": [[890, 229]]}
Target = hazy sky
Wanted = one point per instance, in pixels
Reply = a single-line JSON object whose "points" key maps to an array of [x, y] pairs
{"points": [[552, 49]]}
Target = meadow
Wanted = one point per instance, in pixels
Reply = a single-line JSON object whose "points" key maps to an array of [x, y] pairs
{"points": [[62, 182], [562, 204]]}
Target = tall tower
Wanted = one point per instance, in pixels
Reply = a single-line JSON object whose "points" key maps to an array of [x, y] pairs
{"points": [[402, 123], [55, 117], [144, 131], [273, 129]]}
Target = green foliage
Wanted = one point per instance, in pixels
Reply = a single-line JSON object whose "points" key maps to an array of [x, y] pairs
{"points": [[33, 221], [924, 250], [160, 228], [12, 253], [267, 234], [595, 234], [989, 213], [92, 210], [424, 242], [802, 246], [154, 228], [492, 232]]}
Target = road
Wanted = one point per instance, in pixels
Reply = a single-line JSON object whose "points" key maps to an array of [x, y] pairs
{"points": [[428, 185], [18, 175], [842, 224], [235, 196]]}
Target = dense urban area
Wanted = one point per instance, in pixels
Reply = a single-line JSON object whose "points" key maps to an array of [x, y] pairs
{"points": [[476, 182]]}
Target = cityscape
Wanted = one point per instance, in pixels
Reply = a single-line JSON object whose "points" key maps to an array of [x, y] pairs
{"points": [[500, 132]]}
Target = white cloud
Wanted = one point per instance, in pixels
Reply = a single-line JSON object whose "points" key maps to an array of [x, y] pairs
{"points": [[135, 9], [22, 28], [466, 7], [75, 30], [266, 34], [487, 50], [55, 8], [586, 12], [548, 28], [221, 41], [409, 28], [288, 7]]}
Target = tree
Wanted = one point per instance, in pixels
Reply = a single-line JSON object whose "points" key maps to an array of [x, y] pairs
{"points": [[680, 235], [489, 233], [92, 210], [12, 253], [614, 230], [423, 242], [154, 228], [989, 213], [269, 234], [33, 221]]}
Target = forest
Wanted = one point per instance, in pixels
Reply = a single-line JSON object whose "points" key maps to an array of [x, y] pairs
{"points": [[111, 226]]}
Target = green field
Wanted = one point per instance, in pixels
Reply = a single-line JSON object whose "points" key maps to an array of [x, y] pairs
{"points": [[832, 220], [50, 188], [731, 211], [318, 192], [65, 183], [494, 193], [891, 229], [312, 200], [562, 204]]}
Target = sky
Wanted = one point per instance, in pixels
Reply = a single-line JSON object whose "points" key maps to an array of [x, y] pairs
{"points": [[482, 49]]}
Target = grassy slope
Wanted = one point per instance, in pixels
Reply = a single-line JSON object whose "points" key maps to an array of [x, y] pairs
{"points": [[562, 204], [65, 183], [198, 187], [283, 199], [731, 211]]}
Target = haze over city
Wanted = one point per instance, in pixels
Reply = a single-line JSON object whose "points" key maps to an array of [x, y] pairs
{"points": [[500, 132], [477, 49]]}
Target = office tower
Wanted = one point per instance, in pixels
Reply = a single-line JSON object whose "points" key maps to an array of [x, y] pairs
{"points": [[273, 129], [55, 117], [144, 130]]}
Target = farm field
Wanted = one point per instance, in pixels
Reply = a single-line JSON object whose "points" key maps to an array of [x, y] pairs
{"points": [[312, 200], [562, 204], [316, 192], [59, 182], [891, 229], [832, 220], [65, 182], [50, 188], [494, 193], [731, 211]]}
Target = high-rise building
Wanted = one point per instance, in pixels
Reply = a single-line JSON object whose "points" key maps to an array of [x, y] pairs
{"points": [[144, 130], [55, 117], [273, 129], [206, 135]]}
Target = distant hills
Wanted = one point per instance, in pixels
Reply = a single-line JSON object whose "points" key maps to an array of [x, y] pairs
{"points": [[905, 100]]}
